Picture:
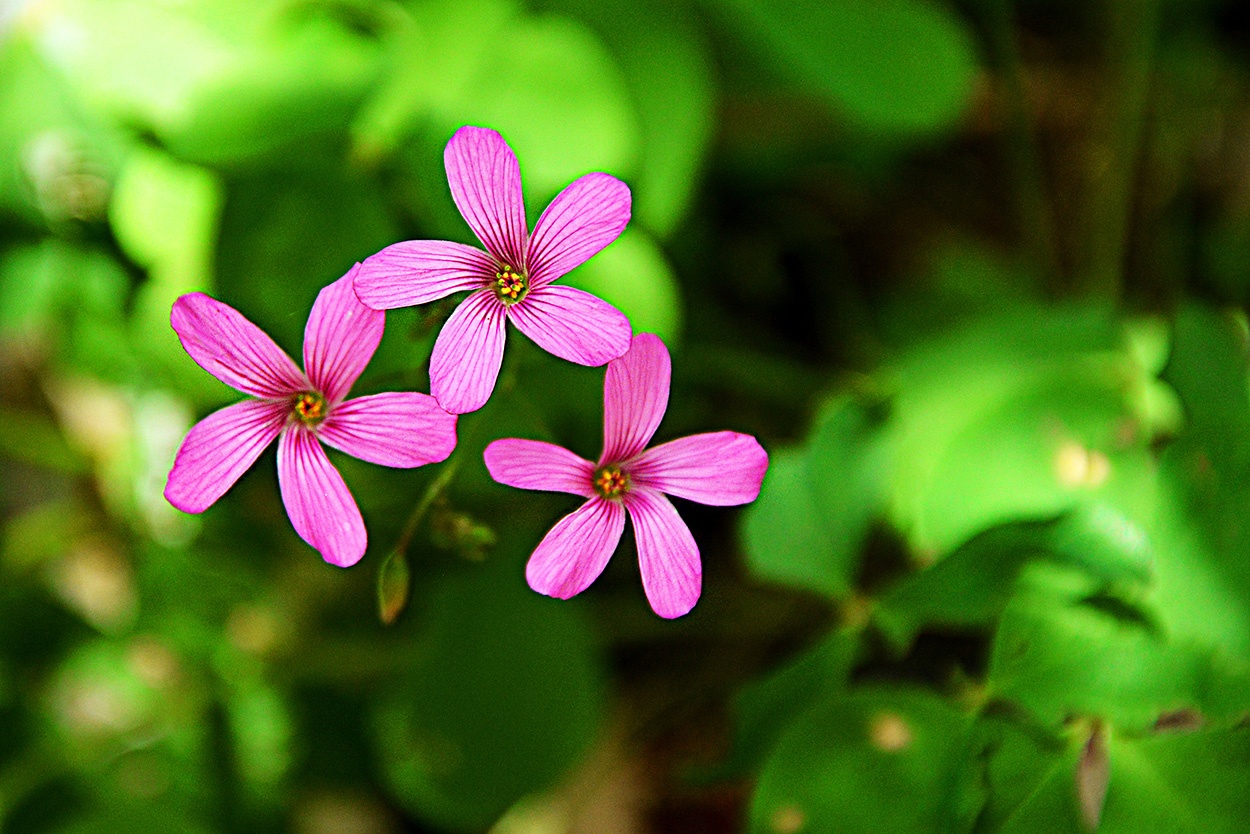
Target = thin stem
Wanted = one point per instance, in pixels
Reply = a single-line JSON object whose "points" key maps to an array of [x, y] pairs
{"points": [[428, 498], [1033, 215], [1118, 138]]}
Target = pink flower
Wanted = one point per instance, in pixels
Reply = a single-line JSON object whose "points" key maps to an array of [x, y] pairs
{"points": [[395, 429], [512, 279], [720, 468]]}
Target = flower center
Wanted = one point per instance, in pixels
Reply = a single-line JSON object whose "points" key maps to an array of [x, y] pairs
{"points": [[611, 482], [510, 285], [310, 408]]}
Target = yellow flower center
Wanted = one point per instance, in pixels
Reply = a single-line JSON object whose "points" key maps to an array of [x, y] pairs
{"points": [[510, 285], [611, 482], [310, 408]]}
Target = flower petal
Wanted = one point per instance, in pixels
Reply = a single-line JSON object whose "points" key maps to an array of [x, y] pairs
{"points": [[231, 348], [400, 428], [219, 449], [721, 468], [586, 216], [419, 271], [533, 464], [485, 181], [321, 509], [667, 555], [467, 354], [574, 552], [635, 397], [572, 324], [340, 337]]}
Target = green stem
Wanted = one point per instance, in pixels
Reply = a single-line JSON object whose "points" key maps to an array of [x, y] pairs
{"points": [[428, 498], [1117, 142], [1033, 215]]}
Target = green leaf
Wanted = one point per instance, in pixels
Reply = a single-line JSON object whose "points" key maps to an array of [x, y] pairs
{"points": [[506, 694], [633, 275], [667, 67], [763, 709], [819, 503], [1023, 414], [563, 107], [216, 82], [891, 66], [875, 760], [971, 586], [1180, 782], [1061, 651]]}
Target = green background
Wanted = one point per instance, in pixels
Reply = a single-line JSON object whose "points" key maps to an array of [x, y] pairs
{"points": [[974, 272]]}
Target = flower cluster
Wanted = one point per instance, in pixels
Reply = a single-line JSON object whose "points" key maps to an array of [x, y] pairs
{"points": [[512, 279]]}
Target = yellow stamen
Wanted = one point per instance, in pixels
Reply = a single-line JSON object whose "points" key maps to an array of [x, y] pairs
{"points": [[310, 407], [511, 285], [611, 482]]}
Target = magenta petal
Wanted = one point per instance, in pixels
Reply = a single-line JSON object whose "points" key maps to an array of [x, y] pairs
{"points": [[586, 216], [219, 449], [419, 271], [572, 324], [485, 182], [575, 551], [400, 429], [721, 468], [321, 509], [467, 354], [234, 350], [533, 464], [667, 555], [635, 397], [340, 337]]}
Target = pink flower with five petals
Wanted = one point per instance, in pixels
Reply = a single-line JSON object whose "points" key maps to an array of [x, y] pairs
{"points": [[513, 279], [399, 429], [720, 468]]}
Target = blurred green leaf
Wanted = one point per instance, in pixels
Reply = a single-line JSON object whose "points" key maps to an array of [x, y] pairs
{"points": [[819, 503], [554, 93], [668, 68], [633, 275], [506, 694], [971, 586], [875, 760], [57, 159], [1178, 781], [1061, 651], [215, 82], [285, 234], [765, 708], [892, 66], [1022, 414]]}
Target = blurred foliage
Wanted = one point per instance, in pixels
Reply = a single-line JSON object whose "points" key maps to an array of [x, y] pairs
{"points": [[975, 272]]}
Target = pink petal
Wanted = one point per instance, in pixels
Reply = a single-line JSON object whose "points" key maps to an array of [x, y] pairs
{"points": [[575, 551], [572, 324], [467, 354], [321, 509], [533, 464], [419, 271], [231, 348], [667, 554], [485, 181], [635, 397], [721, 468], [400, 429], [340, 337], [586, 216], [219, 449]]}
